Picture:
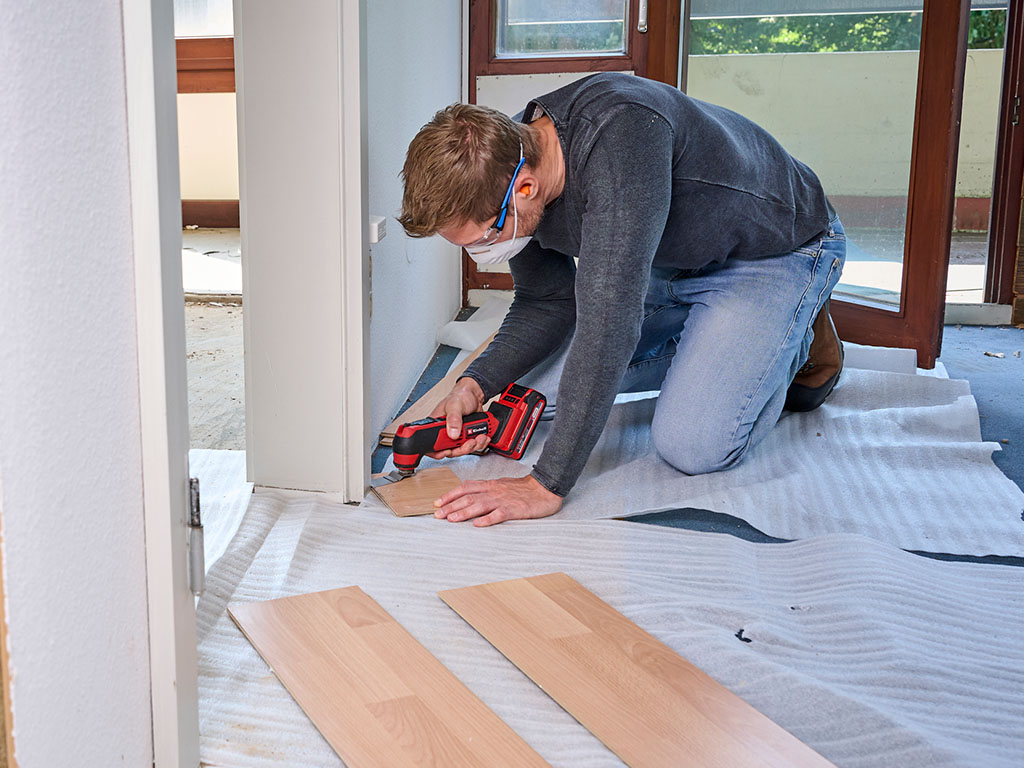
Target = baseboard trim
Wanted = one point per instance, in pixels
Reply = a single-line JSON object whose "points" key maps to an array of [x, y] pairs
{"points": [[220, 214], [977, 314]]}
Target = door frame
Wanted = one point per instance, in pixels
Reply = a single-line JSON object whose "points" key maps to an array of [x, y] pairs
{"points": [[151, 87], [917, 324], [1004, 222]]}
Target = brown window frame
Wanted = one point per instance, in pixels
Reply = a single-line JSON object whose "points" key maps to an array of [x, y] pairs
{"points": [[206, 64], [652, 54]]}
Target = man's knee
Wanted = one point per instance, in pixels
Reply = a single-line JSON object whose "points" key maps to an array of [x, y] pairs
{"points": [[694, 451]]}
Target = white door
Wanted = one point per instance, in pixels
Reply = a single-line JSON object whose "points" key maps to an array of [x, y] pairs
{"points": [[336, 424]]}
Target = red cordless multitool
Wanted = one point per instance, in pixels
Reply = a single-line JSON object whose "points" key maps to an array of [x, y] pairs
{"points": [[509, 421]]}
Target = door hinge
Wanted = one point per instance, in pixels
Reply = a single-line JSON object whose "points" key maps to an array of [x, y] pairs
{"points": [[1015, 120], [196, 557]]}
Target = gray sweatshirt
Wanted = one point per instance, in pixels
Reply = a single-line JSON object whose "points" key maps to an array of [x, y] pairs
{"points": [[652, 176]]}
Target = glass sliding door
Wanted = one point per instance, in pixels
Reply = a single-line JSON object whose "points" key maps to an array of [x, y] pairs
{"points": [[867, 93], [838, 90]]}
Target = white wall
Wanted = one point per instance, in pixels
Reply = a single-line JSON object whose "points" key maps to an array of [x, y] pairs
{"points": [[850, 116], [413, 69], [208, 146], [304, 260], [71, 500]]}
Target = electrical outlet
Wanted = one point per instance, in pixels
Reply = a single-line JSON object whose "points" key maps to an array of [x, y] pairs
{"points": [[378, 228]]}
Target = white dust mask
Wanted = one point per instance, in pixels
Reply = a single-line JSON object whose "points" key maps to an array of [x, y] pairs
{"points": [[499, 253]]}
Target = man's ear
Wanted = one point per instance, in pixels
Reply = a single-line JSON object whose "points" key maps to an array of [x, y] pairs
{"points": [[526, 184]]}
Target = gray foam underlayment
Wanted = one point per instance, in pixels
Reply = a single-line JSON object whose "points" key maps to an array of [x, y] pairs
{"points": [[894, 456], [871, 655], [223, 493]]}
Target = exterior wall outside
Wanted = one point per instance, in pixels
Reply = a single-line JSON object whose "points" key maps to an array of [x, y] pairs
{"points": [[414, 68], [70, 443], [857, 135], [208, 146]]}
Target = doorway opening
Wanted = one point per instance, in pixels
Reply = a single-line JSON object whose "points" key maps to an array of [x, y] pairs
{"points": [[211, 239]]}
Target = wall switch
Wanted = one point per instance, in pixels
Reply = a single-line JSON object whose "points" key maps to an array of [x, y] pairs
{"points": [[378, 228]]}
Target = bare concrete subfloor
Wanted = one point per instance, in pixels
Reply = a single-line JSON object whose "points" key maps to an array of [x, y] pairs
{"points": [[216, 377]]}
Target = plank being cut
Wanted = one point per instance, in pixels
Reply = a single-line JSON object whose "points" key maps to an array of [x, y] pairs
{"points": [[378, 697], [422, 408], [646, 703], [416, 495]]}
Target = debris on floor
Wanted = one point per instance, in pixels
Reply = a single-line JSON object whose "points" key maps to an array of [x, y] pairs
{"points": [[994, 354]]}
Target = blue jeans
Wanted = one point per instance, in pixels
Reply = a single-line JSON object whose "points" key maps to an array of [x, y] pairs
{"points": [[723, 344]]}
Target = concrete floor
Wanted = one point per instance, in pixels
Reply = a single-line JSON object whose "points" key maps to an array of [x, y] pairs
{"points": [[216, 376]]}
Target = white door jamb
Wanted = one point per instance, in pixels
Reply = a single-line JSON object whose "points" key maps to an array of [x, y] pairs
{"points": [[355, 253], [151, 82]]}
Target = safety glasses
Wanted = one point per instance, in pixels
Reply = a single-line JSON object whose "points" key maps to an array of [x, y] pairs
{"points": [[494, 231]]}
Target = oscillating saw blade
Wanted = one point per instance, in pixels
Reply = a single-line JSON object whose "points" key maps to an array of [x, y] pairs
{"points": [[388, 479]]}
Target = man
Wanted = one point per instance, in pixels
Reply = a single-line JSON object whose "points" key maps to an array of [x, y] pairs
{"points": [[706, 258]]}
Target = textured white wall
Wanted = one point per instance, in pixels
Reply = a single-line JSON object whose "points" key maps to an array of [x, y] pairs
{"points": [[71, 498], [850, 116], [208, 146], [413, 69]]}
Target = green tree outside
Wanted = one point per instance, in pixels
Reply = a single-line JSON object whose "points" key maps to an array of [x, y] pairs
{"points": [[824, 34]]}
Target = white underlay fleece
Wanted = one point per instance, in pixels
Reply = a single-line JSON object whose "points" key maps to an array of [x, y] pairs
{"points": [[895, 457], [871, 655], [891, 455]]}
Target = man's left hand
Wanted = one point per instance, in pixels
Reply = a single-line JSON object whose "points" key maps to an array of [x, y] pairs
{"points": [[487, 502]]}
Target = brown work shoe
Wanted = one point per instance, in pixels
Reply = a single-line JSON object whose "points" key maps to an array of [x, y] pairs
{"points": [[819, 375]]}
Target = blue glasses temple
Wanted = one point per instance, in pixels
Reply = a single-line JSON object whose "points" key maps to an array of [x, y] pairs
{"points": [[508, 195]]}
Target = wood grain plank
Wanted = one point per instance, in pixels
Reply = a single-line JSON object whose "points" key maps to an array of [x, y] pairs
{"points": [[644, 701], [421, 408], [416, 495], [378, 697]]}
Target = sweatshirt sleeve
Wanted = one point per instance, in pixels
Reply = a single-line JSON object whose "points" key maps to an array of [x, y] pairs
{"points": [[541, 317], [627, 189]]}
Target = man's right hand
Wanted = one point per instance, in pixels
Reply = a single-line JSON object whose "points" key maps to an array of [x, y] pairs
{"points": [[466, 397]]}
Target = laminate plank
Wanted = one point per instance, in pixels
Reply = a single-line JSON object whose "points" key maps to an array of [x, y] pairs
{"points": [[421, 408], [377, 696], [646, 703], [416, 495]]}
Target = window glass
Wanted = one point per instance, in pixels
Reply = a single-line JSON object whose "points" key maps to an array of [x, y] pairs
{"points": [[203, 18], [528, 28], [838, 90], [831, 33]]}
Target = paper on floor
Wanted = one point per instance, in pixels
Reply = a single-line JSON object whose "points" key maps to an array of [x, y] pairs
{"points": [[873, 656], [471, 333], [895, 457]]}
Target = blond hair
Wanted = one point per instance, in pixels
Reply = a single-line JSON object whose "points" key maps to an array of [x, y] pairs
{"points": [[459, 165]]}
